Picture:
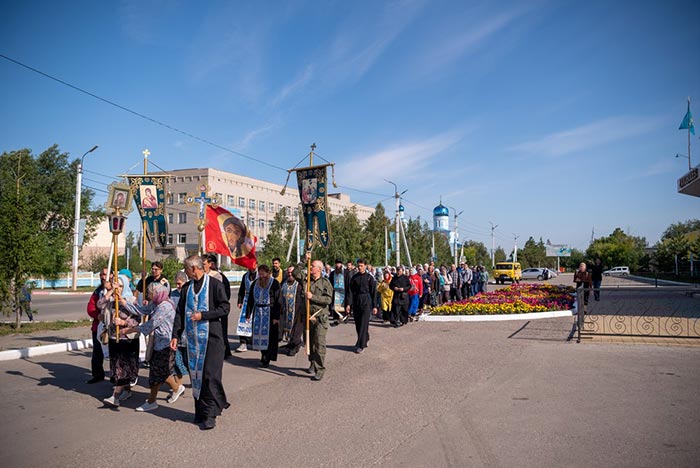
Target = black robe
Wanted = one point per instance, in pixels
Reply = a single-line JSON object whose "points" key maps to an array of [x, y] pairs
{"points": [[212, 398], [270, 354], [361, 298]]}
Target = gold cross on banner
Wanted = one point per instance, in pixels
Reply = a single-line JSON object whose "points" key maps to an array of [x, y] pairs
{"points": [[146, 153]]}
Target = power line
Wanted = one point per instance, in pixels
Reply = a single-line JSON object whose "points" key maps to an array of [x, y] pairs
{"points": [[139, 114]]}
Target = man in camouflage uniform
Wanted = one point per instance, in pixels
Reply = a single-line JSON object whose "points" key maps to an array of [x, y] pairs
{"points": [[320, 297]]}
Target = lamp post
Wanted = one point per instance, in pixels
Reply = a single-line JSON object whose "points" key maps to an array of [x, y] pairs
{"points": [[683, 156], [454, 236], [76, 227], [397, 196]]}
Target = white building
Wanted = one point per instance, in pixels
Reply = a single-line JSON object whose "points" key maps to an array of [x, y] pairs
{"points": [[254, 201]]}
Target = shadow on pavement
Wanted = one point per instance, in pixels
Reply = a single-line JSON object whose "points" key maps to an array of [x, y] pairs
{"points": [[72, 378]]}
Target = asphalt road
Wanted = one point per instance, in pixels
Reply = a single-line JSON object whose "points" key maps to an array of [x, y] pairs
{"points": [[497, 394]]}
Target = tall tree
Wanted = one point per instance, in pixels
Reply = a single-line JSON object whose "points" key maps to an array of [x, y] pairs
{"points": [[618, 249], [277, 240], [475, 253], [37, 204], [346, 238], [373, 233]]}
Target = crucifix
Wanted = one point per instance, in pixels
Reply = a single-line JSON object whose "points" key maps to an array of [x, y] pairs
{"points": [[203, 199]]}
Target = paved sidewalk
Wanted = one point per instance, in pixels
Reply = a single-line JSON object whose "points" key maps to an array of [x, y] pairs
{"points": [[22, 340]]}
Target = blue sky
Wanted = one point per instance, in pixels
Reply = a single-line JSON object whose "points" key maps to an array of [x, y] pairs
{"points": [[548, 118]]}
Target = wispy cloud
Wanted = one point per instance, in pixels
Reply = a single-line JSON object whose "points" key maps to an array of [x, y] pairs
{"points": [[402, 163], [364, 39], [255, 133], [480, 34], [658, 168], [588, 136], [296, 85]]}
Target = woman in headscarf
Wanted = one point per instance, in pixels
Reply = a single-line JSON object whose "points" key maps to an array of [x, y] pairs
{"points": [[162, 312], [386, 295], [123, 354]]}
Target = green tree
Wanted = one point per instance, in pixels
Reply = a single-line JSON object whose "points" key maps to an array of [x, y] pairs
{"points": [[346, 238], [373, 234], [618, 249], [499, 255], [475, 253], [419, 239], [533, 254], [37, 204], [277, 240], [681, 228]]}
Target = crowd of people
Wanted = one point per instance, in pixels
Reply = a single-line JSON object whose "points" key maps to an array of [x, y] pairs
{"points": [[187, 327]]}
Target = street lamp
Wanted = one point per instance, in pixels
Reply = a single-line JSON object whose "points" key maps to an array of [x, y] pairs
{"points": [[397, 195], [76, 227], [683, 156]]}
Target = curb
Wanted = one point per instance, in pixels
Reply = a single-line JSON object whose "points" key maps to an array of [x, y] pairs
{"points": [[23, 353], [496, 318]]}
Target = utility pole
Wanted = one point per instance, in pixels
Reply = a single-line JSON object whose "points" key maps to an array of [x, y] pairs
{"points": [[454, 237], [76, 226], [493, 244], [515, 250], [397, 195]]}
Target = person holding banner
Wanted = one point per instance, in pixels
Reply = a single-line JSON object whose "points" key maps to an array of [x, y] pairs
{"points": [[244, 329], [264, 308], [320, 296], [202, 304]]}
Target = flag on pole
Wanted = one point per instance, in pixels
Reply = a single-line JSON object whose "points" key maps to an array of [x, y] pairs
{"points": [[229, 236], [688, 121]]}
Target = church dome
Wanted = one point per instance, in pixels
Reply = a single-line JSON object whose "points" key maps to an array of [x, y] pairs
{"points": [[441, 210]]}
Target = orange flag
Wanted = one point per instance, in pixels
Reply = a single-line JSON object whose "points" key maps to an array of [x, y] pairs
{"points": [[227, 235]]}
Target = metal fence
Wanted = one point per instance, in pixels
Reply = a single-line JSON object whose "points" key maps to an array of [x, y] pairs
{"points": [[664, 311]]}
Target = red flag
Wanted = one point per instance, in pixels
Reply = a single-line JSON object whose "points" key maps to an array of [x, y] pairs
{"points": [[227, 235]]}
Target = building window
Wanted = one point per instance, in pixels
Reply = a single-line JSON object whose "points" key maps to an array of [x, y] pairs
{"points": [[262, 224], [280, 207], [181, 197], [182, 238], [261, 206], [230, 200], [241, 202], [170, 198], [296, 210], [170, 218], [251, 204], [170, 239], [182, 218], [271, 207]]}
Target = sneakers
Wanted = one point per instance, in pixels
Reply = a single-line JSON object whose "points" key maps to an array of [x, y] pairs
{"points": [[147, 407], [111, 401], [173, 398], [359, 350], [317, 377], [125, 395], [242, 348]]}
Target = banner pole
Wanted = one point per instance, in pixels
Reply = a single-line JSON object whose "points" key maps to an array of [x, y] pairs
{"points": [[115, 280], [144, 228]]}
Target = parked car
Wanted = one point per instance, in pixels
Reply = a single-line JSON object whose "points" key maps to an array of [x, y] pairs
{"points": [[552, 273], [537, 273], [618, 271], [507, 271]]}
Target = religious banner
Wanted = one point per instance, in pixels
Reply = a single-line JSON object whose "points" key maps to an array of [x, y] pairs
{"points": [[149, 195], [229, 236], [312, 183]]}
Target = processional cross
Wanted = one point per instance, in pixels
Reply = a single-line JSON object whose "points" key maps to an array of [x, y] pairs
{"points": [[203, 199]]}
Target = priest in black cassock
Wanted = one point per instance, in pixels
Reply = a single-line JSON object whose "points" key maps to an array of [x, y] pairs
{"points": [[264, 307], [203, 302], [362, 295]]}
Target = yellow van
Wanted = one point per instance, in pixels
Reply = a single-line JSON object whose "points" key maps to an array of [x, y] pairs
{"points": [[507, 271]]}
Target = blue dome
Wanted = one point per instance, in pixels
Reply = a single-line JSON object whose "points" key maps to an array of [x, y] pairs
{"points": [[441, 210], [401, 208]]}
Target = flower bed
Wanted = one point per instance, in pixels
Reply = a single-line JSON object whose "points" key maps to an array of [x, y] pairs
{"points": [[515, 299]]}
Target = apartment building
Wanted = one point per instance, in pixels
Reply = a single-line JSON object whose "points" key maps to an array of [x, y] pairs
{"points": [[255, 201]]}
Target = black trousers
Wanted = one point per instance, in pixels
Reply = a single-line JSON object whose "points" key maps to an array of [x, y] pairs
{"points": [[399, 312], [362, 316], [296, 340], [98, 357]]}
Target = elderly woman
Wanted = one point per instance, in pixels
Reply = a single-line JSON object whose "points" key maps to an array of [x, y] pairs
{"points": [[123, 354], [161, 370]]}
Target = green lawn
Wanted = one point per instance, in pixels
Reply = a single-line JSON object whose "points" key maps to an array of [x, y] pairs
{"points": [[9, 328]]}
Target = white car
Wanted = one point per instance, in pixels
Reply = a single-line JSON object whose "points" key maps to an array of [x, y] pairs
{"points": [[617, 271], [534, 273]]}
